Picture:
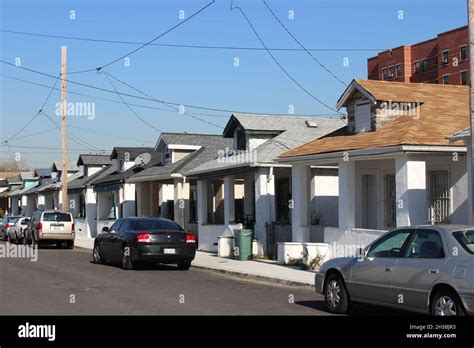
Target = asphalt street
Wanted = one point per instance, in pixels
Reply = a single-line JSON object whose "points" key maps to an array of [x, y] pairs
{"points": [[66, 282]]}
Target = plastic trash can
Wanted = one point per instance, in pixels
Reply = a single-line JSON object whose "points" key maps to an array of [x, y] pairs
{"points": [[243, 244]]}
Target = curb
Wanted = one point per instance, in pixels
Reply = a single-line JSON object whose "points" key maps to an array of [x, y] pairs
{"points": [[256, 277]]}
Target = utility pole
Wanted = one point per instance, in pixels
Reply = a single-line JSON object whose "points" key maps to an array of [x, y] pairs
{"points": [[65, 204]]}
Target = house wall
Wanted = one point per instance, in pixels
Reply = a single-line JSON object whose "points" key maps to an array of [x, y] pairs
{"points": [[324, 197], [127, 199], [177, 155]]}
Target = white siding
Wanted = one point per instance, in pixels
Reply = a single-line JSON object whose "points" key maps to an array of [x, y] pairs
{"points": [[362, 117]]}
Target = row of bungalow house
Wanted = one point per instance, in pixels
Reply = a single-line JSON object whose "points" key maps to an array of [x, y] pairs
{"points": [[397, 159]]}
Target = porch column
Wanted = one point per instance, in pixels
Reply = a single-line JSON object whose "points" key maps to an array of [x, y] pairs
{"points": [[347, 184], [91, 211], [128, 195], [249, 195], [181, 194], [264, 205], [229, 199], [301, 192], [162, 200], [410, 182]]}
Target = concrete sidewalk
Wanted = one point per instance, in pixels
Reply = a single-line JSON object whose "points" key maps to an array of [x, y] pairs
{"points": [[256, 269], [265, 270]]}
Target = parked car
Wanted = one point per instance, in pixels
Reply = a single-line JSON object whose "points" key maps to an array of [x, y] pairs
{"points": [[7, 223], [51, 226], [428, 269], [137, 240], [17, 231]]}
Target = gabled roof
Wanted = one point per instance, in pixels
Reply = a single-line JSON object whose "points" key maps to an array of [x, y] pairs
{"points": [[192, 140], [27, 175], [58, 166], [93, 160], [263, 123], [57, 185], [444, 110], [133, 152], [297, 133], [43, 172], [208, 150]]}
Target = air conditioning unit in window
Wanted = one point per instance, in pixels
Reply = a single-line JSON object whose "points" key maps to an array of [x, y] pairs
{"points": [[445, 60], [391, 76]]}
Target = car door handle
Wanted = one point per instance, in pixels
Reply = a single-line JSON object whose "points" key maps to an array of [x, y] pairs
{"points": [[388, 269], [433, 271]]}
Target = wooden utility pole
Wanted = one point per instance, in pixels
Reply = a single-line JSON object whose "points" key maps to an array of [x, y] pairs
{"points": [[65, 204]]}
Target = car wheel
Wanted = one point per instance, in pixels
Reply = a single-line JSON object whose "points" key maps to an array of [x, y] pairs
{"points": [[446, 303], [335, 294], [97, 255], [184, 266], [127, 262]]}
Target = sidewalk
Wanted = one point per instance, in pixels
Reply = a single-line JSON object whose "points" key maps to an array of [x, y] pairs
{"points": [[258, 269]]}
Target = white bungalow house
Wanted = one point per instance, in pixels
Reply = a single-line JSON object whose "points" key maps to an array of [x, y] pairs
{"points": [[116, 198], [395, 163], [245, 186], [84, 207], [163, 189]]}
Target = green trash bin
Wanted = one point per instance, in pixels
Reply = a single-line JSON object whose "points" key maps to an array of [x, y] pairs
{"points": [[243, 244]]}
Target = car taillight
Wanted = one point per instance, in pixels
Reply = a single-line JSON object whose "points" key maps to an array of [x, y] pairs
{"points": [[190, 238], [73, 228], [143, 238], [40, 227]]}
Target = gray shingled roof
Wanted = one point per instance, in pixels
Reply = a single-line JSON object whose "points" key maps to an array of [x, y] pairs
{"points": [[43, 172], [57, 167], [210, 145], [295, 134], [133, 152], [93, 160]]}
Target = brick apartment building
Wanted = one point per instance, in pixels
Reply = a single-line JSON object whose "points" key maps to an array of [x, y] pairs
{"points": [[443, 59]]}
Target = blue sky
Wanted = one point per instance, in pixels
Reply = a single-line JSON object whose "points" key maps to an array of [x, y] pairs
{"points": [[204, 77]]}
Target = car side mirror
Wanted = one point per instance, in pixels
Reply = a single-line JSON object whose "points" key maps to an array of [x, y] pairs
{"points": [[105, 229]]}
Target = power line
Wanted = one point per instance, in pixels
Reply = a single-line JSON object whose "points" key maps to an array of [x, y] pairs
{"points": [[301, 45], [36, 133], [299, 85], [38, 113], [162, 102], [148, 98], [129, 107], [149, 42], [210, 47], [112, 135], [104, 99]]}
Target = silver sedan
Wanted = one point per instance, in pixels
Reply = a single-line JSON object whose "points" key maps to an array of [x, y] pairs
{"points": [[427, 269]]}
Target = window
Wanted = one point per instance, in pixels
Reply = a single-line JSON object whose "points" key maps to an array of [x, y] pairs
{"points": [[463, 78], [466, 239], [446, 79], [116, 225], [384, 74], [445, 58], [463, 50], [57, 217], [425, 244], [424, 65], [153, 224], [391, 73], [399, 70], [391, 245], [417, 67], [241, 141]]}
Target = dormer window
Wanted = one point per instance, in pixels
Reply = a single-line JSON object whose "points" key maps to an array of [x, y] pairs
{"points": [[241, 141]]}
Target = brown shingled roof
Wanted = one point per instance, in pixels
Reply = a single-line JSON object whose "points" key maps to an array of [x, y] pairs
{"points": [[444, 111]]}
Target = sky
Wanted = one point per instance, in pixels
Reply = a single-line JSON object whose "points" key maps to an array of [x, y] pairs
{"points": [[344, 32]]}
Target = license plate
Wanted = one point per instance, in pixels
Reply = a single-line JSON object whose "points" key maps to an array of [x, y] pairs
{"points": [[56, 228], [169, 251]]}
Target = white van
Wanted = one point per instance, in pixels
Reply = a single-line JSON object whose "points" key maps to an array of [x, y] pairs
{"points": [[52, 226]]}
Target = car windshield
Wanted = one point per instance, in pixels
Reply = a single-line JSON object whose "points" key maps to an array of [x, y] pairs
{"points": [[144, 225], [466, 239], [56, 217], [10, 220]]}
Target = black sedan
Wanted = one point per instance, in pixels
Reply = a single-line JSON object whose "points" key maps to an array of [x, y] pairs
{"points": [[137, 240]]}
